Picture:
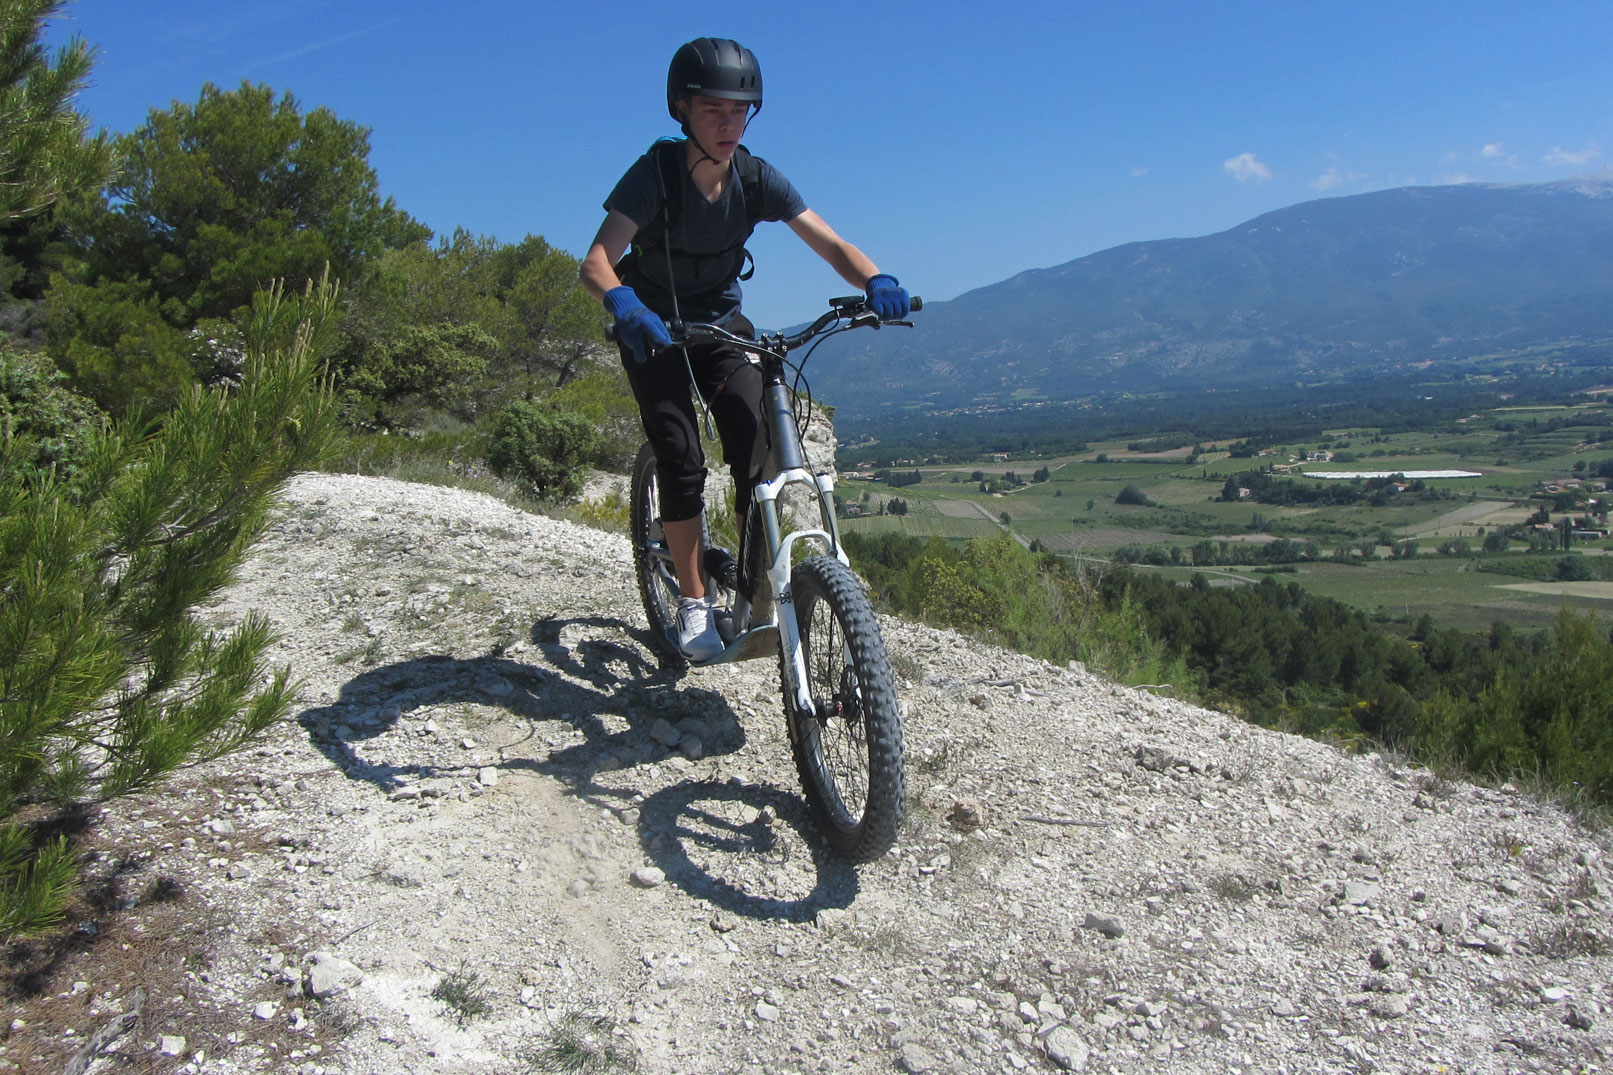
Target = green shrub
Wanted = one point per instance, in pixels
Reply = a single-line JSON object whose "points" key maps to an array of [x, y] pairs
{"points": [[109, 678], [1549, 718], [1573, 568], [542, 449], [41, 420], [603, 397]]}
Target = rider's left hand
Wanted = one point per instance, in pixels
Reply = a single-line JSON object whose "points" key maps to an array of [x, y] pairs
{"points": [[887, 298]]}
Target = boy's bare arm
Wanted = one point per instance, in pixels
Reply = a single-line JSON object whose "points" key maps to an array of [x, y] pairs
{"points": [[598, 271], [852, 264]]}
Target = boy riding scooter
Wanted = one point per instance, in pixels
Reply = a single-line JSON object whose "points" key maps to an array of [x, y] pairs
{"points": [[687, 207]]}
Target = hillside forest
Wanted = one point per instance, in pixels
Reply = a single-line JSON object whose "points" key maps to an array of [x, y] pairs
{"points": [[196, 309]]}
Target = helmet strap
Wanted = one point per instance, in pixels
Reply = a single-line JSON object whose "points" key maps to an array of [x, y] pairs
{"points": [[704, 155]]}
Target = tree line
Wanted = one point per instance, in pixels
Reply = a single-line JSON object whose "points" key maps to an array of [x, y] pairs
{"points": [[1498, 703], [136, 289], [1246, 419]]}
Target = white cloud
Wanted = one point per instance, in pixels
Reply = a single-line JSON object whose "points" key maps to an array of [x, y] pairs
{"points": [[1333, 177], [1493, 151], [1138, 171], [1576, 158], [1245, 167], [1456, 178]]}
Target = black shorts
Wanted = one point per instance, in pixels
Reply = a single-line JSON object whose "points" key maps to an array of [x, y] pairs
{"points": [[732, 388]]}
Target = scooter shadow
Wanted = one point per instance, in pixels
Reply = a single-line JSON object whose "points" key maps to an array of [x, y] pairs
{"points": [[724, 842]]}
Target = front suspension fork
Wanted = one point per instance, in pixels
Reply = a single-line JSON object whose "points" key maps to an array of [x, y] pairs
{"points": [[778, 572]]}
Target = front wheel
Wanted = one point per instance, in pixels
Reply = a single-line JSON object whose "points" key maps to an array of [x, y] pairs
{"points": [[848, 749]]}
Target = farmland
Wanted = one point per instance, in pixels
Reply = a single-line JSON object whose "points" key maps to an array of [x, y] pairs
{"points": [[1395, 554]]}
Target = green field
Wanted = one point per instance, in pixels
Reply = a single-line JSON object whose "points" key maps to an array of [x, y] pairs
{"points": [[1074, 511]]}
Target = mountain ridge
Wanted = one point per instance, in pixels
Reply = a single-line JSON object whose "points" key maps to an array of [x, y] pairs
{"points": [[1465, 278]]}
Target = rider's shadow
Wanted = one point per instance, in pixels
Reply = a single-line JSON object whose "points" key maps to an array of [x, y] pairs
{"points": [[720, 842], [602, 677]]}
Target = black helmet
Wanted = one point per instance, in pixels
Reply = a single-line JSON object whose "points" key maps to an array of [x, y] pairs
{"points": [[713, 67]]}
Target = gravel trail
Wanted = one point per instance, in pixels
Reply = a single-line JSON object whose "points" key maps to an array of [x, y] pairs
{"points": [[497, 835]]}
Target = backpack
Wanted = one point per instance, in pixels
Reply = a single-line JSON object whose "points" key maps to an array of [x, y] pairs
{"points": [[649, 247]]}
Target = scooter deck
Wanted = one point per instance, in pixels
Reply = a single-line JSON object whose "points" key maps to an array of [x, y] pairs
{"points": [[754, 644]]}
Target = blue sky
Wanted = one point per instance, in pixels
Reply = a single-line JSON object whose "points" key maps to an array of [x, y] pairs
{"points": [[956, 142]]}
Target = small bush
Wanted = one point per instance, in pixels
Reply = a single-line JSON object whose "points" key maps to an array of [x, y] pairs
{"points": [[42, 419], [1133, 495], [1573, 568], [544, 450], [603, 398], [582, 1043]]}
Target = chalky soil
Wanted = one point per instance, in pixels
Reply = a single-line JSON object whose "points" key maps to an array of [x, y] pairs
{"points": [[498, 835]]}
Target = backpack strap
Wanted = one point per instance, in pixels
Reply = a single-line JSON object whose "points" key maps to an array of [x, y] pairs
{"points": [[668, 155], [669, 166], [749, 167], [656, 234]]}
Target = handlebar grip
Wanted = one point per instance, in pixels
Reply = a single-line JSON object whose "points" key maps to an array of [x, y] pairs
{"points": [[915, 303]]}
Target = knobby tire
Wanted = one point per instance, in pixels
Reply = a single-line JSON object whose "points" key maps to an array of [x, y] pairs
{"points": [[848, 752]]}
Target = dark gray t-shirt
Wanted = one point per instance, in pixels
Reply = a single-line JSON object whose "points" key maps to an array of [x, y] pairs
{"points": [[707, 283]]}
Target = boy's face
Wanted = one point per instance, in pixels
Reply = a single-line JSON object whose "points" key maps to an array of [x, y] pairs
{"points": [[717, 124]]}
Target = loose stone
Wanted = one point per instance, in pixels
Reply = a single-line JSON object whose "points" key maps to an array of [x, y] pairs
{"points": [[1067, 1049], [1109, 927], [328, 975], [916, 1059]]}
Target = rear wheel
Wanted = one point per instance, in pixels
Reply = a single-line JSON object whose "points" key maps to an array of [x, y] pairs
{"points": [[657, 585], [848, 749]]}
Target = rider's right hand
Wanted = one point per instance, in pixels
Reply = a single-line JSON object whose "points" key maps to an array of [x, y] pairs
{"points": [[637, 325]]}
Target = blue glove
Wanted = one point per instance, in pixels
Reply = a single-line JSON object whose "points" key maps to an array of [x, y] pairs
{"points": [[637, 325], [887, 298]]}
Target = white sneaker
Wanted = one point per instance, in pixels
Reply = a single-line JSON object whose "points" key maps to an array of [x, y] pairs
{"points": [[697, 630]]}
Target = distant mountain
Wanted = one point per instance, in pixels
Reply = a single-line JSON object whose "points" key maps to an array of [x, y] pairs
{"points": [[1470, 277]]}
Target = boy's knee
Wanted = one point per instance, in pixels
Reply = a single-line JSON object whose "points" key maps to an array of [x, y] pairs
{"points": [[682, 492]]}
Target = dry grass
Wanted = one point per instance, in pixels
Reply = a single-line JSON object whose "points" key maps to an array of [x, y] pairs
{"points": [[132, 928]]}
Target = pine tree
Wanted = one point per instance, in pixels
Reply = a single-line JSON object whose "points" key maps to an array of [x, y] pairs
{"points": [[108, 679], [44, 151]]}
